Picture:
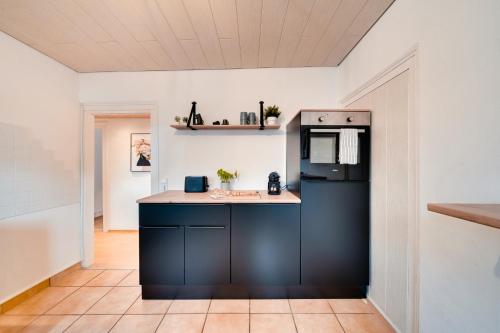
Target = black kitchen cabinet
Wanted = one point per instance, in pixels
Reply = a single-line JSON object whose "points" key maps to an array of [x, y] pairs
{"points": [[160, 215], [184, 243], [207, 255], [335, 233], [316, 249], [265, 241], [161, 255]]}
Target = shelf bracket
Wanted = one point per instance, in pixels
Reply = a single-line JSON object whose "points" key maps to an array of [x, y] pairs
{"points": [[261, 115], [192, 114]]}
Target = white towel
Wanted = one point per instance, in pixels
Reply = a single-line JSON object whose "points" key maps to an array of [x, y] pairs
{"points": [[348, 152]]}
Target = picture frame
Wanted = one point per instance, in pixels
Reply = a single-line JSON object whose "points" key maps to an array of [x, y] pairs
{"points": [[140, 152]]}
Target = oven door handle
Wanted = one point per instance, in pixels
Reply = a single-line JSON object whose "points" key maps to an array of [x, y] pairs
{"points": [[332, 130], [308, 177]]}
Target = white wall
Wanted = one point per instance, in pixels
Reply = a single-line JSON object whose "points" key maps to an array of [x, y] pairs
{"points": [[458, 80], [98, 172], [123, 187], [220, 94], [39, 167]]}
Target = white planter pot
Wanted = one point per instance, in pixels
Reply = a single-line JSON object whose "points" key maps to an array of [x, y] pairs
{"points": [[272, 120], [225, 186]]}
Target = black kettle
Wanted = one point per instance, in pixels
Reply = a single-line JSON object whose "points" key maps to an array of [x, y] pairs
{"points": [[273, 185]]}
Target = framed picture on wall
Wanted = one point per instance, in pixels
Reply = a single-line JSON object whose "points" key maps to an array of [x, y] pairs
{"points": [[140, 152]]}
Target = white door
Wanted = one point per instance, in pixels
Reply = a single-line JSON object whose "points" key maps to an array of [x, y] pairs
{"points": [[390, 197]]}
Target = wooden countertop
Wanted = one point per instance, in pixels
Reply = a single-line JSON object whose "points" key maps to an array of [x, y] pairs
{"points": [[179, 196], [487, 214]]}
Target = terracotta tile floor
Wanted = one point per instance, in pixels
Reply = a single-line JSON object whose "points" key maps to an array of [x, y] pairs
{"points": [[109, 301]]}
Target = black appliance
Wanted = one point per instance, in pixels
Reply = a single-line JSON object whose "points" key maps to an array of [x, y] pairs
{"points": [[334, 197], [274, 185], [195, 184]]}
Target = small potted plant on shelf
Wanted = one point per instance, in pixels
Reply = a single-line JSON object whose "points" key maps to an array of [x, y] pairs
{"points": [[185, 120], [177, 120], [225, 178], [271, 114]]}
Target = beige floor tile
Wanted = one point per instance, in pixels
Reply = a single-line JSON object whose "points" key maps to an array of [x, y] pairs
{"points": [[310, 306], [93, 323], [11, 324], [117, 301], [50, 324], [226, 323], [229, 306], [149, 306], [182, 323], [80, 301], [109, 278], [117, 249], [75, 278], [317, 323], [131, 280], [352, 306], [364, 323], [43, 301], [137, 324], [272, 323], [189, 306], [269, 306]]}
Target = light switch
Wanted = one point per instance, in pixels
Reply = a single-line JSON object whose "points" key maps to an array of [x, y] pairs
{"points": [[164, 185]]}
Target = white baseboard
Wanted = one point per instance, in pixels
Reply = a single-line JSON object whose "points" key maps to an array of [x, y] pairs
{"points": [[383, 314]]}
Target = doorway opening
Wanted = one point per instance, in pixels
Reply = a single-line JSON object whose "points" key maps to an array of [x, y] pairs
{"points": [[122, 174], [119, 166]]}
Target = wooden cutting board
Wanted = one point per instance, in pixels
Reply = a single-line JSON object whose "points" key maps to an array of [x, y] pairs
{"points": [[243, 195]]}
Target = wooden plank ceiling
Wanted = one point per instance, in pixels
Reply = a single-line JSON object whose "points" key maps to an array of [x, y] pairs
{"points": [[137, 35]]}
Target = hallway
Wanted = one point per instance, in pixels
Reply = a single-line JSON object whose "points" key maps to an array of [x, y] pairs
{"points": [[115, 249]]}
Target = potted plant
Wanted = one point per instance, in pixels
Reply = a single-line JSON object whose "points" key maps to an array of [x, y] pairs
{"points": [[177, 120], [271, 114], [225, 178], [185, 120]]}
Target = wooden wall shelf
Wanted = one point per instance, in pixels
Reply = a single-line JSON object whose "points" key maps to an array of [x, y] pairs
{"points": [[487, 214], [224, 127]]}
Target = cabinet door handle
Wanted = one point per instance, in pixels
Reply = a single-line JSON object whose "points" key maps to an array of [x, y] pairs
{"points": [[161, 227], [206, 227]]}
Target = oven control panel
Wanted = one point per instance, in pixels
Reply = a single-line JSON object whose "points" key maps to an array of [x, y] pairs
{"points": [[335, 118]]}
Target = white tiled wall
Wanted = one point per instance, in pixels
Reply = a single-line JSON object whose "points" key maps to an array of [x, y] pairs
{"points": [[40, 227], [32, 177]]}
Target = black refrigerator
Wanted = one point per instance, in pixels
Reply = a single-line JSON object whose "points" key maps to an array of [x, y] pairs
{"points": [[335, 196]]}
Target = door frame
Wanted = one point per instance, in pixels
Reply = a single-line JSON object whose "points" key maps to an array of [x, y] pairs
{"points": [[407, 62], [88, 113]]}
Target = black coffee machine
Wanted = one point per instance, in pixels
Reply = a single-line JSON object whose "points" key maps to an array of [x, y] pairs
{"points": [[273, 185]]}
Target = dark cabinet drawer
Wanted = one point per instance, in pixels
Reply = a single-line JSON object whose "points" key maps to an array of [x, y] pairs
{"points": [[156, 215], [207, 255], [265, 244], [335, 233], [161, 255]]}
